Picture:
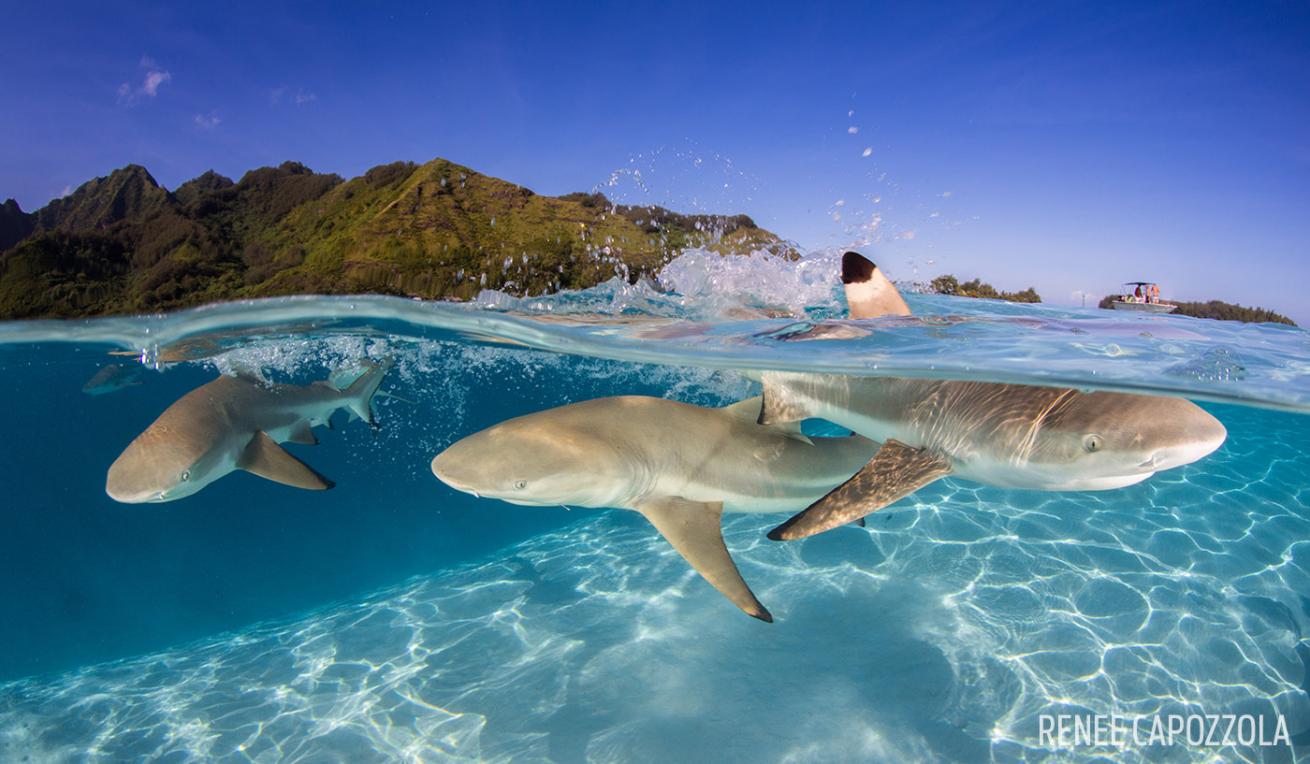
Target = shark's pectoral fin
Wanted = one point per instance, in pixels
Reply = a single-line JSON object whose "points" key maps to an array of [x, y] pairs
{"points": [[896, 470], [267, 459], [693, 528], [303, 434]]}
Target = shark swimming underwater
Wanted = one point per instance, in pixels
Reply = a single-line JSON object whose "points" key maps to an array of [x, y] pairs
{"points": [[1015, 436], [234, 423], [679, 465], [112, 378]]}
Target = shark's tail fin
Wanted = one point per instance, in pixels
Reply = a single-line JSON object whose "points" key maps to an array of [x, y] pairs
{"points": [[359, 396]]}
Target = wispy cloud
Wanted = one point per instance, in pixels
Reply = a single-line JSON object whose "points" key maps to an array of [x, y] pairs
{"points": [[150, 86], [905, 235], [154, 78], [279, 94], [208, 121]]}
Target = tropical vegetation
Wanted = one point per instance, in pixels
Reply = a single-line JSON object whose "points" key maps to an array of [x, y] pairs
{"points": [[948, 284], [123, 243]]}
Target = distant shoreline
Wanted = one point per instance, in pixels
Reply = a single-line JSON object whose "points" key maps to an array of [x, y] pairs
{"points": [[948, 284], [1218, 310]]}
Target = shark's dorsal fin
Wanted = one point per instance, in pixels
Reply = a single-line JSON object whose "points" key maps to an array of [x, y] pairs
{"points": [[749, 411], [778, 406], [869, 293], [303, 433], [693, 528], [267, 459], [897, 470]]}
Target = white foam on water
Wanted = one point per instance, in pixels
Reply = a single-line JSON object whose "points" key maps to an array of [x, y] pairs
{"points": [[760, 280], [745, 313]]}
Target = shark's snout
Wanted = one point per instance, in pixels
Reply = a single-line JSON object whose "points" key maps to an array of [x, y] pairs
{"points": [[1207, 435], [449, 469], [1191, 434], [145, 473], [122, 488]]}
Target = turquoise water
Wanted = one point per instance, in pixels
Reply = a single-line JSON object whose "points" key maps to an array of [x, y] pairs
{"points": [[393, 618]]}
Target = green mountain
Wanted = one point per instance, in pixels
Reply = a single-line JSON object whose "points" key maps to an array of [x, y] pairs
{"points": [[15, 225], [123, 243]]}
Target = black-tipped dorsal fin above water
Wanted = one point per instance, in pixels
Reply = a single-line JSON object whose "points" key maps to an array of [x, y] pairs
{"points": [[234, 423], [1014, 436], [681, 466], [869, 293]]}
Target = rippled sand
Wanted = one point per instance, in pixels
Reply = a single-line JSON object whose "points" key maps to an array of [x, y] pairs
{"points": [[939, 632]]}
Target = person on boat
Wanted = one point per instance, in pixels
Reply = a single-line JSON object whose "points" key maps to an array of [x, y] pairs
{"points": [[1138, 293], [1155, 293]]}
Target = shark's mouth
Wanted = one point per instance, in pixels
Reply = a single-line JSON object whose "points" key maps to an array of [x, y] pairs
{"points": [[1151, 464], [470, 491]]}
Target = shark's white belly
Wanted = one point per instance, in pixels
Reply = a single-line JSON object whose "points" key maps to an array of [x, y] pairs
{"points": [[764, 491], [790, 503], [237, 440], [315, 414]]}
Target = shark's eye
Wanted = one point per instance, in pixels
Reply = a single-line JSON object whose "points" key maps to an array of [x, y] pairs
{"points": [[519, 486], [1092, 443], [186, 475]]}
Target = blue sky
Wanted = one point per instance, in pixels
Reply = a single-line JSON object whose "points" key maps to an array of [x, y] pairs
{"points": [[1070, 146]]}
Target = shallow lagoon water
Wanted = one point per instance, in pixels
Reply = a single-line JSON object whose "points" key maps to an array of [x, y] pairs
{"points": [[394, 618]]}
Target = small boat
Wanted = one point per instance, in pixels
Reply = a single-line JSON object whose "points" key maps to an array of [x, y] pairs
{"points": [[1140, 298]]}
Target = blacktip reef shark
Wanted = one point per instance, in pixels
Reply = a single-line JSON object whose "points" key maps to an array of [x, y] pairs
{"points": [[679, 465], [235, 423], [113, 378], [1014, 436]]}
